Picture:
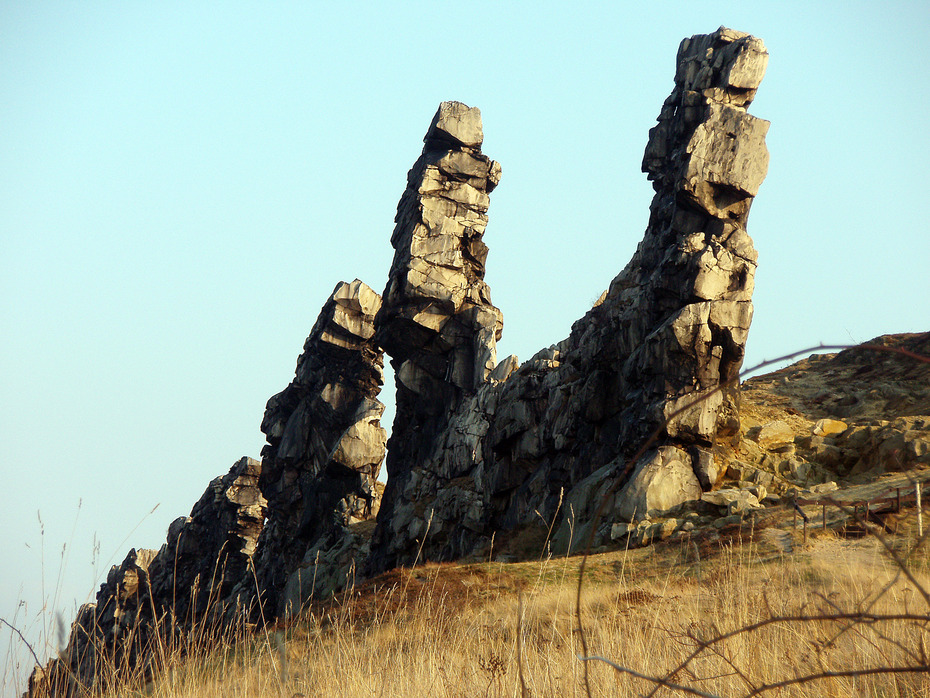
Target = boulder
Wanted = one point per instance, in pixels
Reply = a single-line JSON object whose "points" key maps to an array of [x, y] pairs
{"points": [[772, 435]]}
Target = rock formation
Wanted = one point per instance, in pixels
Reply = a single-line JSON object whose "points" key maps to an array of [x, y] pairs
{"points": [[147, 604], [515, 449], [822, 425], [437, 322], [478, 448], [324, 451]]}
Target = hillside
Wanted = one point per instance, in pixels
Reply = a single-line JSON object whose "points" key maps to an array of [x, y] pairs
{"points": [[509, 628], [454, 629]]}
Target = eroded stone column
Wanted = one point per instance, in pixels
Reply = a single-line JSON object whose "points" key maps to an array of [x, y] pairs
{"points": [[325, 448], [437, 322]]}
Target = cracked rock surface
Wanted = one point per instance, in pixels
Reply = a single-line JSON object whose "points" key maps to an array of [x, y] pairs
{"points": [[437, 322], [154, 597], [324, 451]]}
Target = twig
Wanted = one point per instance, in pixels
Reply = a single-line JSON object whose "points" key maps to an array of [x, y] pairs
{"points": [[21, 637], [652, 679], [807, 678]]}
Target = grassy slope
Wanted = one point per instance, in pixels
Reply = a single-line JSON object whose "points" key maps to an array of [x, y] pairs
{"points": [[468, 629], [458, 630]]}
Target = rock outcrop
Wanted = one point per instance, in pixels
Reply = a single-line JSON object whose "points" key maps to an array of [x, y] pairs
{"points": [[515, 449], [223, 567], [481, 448], [324, 452], [437, 322], [148, 605], [817, 428]]}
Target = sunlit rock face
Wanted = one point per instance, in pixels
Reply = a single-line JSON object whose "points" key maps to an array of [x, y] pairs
{"points": [[226, 565], [479, 448], [476, 452], [325, 446]]}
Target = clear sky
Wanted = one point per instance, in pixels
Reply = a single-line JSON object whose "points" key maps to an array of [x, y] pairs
{"points": [[183, 184]]}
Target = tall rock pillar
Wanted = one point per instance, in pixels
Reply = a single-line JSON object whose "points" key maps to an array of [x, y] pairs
{"points": [[437, 322], [674, 322], [324, 452]]}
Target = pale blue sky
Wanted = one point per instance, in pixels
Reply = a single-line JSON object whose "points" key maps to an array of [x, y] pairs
{"points": [[182, 185]]}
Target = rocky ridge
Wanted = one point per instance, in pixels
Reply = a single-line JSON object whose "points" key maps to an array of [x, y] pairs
{"points": [[821, 425], [488, 456], [561, 427], [154, 598]]}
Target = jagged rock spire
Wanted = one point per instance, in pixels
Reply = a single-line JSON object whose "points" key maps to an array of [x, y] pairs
{"points": [[437, 322], [153, 598], [550, 437], [325, 443]]}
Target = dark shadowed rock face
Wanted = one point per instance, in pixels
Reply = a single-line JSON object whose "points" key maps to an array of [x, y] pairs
{"points": [[149, 602], [324, 451], [547, 439]]}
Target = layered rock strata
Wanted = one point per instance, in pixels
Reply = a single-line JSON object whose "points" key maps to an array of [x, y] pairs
{"points": [[478, 448], [544, 442], [324, 453], [437, 322]]}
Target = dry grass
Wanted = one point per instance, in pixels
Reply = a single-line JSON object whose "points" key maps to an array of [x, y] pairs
{"points": [[470, 630]]}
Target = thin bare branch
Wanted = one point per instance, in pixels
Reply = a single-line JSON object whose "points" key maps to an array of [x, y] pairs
{"points": [[809, 678], [660, 683]]}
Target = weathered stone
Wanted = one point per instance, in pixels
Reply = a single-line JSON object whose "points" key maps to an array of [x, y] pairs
{"points": [[437, 322], [660, 482], [707, 469], [154, 598], [657, 353], [325, 447], [735, 501], [828, 427], [772, 435], [646, 532]]}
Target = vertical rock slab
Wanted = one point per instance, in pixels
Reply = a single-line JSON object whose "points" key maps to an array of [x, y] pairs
{"points": [[325, 447], [674, 322], [437, 322]]}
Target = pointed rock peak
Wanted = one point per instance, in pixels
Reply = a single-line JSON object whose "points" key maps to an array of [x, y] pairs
{"points": [[455, 125], [357, 296]]}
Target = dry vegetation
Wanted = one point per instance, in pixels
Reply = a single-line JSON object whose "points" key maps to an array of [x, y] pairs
{"points": [[756, 610], [510, 629]]}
